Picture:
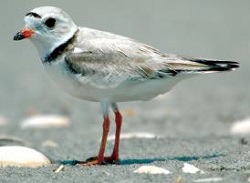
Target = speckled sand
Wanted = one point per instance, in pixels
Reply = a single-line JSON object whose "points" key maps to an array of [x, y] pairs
{"points": [[193, 121]]}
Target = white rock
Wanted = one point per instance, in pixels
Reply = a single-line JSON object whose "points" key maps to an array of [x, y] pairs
{"points": [[59, 169], [188, 168], [11, 141], [46, 121], [241, 127], [152, 170], [3, 121], [212, 179], [145, 135], [49, 143], [19, 156], [77, 50], [130, 112]]}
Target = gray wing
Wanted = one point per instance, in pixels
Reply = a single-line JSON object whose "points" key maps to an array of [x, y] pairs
{"points": [[118, 59], [114, 58]]}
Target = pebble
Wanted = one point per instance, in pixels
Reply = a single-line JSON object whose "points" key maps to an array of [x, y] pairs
{"points": [[241, 127], [46, 121], [212, 179], [144, 135], [3, 121], [11, 141], [49, 143], [19, 156], [188, 168], [59, 169], [130, 112], [152, 170]]}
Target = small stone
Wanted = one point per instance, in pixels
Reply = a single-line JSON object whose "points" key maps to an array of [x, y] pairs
{"points": [[59, 169], [3, 121], [243, 141], [188, 168], [46, 121], [211, 179], [11, 141], [49, 143], [178, 179], [130, 112], [144, 135], [19, 156], [241, 127], [152, 170]]}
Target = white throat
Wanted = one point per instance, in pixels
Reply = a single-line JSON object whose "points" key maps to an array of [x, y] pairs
{"points": [[48, 45]]}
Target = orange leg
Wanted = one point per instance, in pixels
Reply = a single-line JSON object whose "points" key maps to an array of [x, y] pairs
{"points": [[100, 158], [118, 120], [114, 158]]}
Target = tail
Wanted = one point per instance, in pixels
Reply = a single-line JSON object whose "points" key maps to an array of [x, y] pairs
{"points": [[216, 65], [200, 66]]}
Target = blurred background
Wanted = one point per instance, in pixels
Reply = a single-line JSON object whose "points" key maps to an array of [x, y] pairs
{"points": [[202, 106]]}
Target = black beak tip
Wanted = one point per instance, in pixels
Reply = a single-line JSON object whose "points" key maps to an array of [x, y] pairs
{"points": [[18, 36]]}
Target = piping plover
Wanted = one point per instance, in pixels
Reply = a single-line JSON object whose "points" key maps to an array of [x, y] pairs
{"points": [[107, 68]]}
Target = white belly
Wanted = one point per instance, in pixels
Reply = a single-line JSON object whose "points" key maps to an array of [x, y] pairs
{"points": [[87, 89]]}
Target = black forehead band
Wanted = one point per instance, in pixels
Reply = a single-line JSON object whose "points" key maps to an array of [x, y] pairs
{"points": [[33, 14]]}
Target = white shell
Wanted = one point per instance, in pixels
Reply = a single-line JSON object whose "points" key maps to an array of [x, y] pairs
{"points": [[188, 168], [11, 141], [46, 121], [211, 179], [145, 135], [77, 50], [241, 127], [19, 156], [3, 121], [59, 169], [49, 143], [152, 170]]}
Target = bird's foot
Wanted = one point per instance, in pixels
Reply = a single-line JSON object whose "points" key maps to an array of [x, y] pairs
{"points": [[106, 160], [99, 161]]}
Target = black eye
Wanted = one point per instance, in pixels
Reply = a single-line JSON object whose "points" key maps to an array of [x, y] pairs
{"points": [[50, 22]]}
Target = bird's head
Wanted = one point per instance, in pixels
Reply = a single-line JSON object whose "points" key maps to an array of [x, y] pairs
{"points": [[47, 27]]}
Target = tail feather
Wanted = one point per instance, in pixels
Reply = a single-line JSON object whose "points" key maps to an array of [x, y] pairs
{"points": [[202, 66], [217, 65]]}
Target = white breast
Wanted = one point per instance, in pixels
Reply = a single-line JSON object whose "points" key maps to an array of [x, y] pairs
{"points": [[88, 88]]}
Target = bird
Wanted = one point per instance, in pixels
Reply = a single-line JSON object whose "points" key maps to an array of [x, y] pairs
{"points": [[103, 67]]}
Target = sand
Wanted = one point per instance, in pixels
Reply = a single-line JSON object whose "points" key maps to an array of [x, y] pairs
{"points": [[192, 123]]}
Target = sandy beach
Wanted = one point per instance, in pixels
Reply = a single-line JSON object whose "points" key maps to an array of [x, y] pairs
{"points": [[191, 124]]}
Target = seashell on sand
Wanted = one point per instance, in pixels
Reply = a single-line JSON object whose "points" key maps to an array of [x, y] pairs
{"points": [[11, 141], [188, 168], [3, 121], [144, 135], [241, 127], [152, 170], [19, 156], [49, 143], [46, 121], [211, 179]]}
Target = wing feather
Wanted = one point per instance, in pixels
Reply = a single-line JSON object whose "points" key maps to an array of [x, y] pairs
{"points": [[119, 58], [115, 58]]}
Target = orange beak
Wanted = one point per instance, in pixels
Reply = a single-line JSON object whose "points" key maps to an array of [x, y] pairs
{"points": [[23, 34]]}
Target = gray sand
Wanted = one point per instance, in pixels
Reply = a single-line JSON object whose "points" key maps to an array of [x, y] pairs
{"points": [[193, 120]]}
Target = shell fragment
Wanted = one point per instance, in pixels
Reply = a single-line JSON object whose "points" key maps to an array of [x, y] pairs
{"points": [[152, 170], [188, 168], [19, 156], [46, 121]]}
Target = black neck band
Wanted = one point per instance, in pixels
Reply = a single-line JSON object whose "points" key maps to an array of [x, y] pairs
{"points": [[59, 50]]}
